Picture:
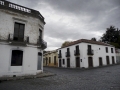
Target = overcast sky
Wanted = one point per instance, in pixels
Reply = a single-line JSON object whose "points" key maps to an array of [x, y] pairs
{"points": [[74, 19]]}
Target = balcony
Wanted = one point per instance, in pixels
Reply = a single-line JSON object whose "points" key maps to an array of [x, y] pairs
{"points": [[60, 55], [22, 41], [67, 54], [76, 52], [42, 43], [90, 52]]}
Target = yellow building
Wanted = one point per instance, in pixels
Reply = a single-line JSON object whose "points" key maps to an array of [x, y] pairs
{"points": [[50, 58]]}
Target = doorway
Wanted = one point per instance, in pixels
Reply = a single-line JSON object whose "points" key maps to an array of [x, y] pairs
{"points": [[107, 60], [39, 66], [90, 61], [77, 61], [113, 60], [59, 62], [68, 62], [100, 61]]}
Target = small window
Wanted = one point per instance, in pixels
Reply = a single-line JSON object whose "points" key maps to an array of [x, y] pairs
{"points": [[111, 50], [106, 49], [63, 61], [81, 60], [17, 58], [40, 33], [99, 48]]}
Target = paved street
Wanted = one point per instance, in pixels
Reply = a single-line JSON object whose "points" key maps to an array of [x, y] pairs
{"points": [[105, 78]]}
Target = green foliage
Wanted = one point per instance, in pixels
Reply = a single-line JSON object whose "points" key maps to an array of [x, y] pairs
{"points": [[65, 43], [94, 39], [112, 36]]}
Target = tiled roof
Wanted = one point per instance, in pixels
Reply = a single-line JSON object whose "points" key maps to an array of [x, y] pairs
{"points": [[86, 41]]}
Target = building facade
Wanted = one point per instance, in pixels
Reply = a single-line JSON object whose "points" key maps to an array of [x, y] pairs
{"points": [[21, 40], [86, 53], [117, 55], [50, 58]]}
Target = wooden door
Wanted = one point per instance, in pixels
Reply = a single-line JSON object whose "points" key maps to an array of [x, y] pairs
{"points": [[90, 62], [107, 60], [100, 61], [68, 62], [113, 61], [59, 62], [77, 61]]}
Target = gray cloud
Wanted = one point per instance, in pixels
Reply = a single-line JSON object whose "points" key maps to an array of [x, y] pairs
{"points": [[75, 19]]}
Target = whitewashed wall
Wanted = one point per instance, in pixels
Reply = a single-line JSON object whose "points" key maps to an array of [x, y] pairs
{"points": [[30, 59], [30, 53], [32, 25], [83, 55]]}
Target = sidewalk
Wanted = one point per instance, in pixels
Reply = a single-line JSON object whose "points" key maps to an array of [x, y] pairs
{"points": [[44, 74]]}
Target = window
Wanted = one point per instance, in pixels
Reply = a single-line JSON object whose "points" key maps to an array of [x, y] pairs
{"points": [[106, 49], [63, 61], [49, 59], [111, 50], [54, 60], [19, 31], [17, 58], [40, 32]]}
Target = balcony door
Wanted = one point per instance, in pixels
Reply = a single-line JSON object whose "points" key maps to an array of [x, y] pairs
{"points": [[19, 32]]}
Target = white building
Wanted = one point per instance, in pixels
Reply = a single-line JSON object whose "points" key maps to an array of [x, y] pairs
{"points": [[117, 55], [86, 53], [21, 40]]}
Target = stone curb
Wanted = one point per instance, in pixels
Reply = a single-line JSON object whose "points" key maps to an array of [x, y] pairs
{"points": [[84, 68], [26, 77]]}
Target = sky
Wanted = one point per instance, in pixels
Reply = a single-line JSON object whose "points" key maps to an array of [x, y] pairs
{"points": [[69, 20]]}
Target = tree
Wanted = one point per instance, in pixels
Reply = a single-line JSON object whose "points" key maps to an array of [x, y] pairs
{"points": [[93, 39], [65, 43], [112, 36]]}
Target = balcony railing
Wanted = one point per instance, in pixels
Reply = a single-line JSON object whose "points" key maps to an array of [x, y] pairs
{"points": [[18, 40], [67, 54], [42, 43], [90, 52], [60, 55], [76, 52]]}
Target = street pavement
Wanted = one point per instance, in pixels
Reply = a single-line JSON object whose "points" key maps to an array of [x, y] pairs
{"points": [[105, 78]]}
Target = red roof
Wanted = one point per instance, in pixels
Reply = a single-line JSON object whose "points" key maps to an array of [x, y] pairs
{"points": [[86, 41]]}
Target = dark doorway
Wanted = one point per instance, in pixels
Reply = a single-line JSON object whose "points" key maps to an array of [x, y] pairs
{"points": [[77, 61], [46, 60], [68, 62], [59, 62], [54, 60], [39, 66], [107, 60], [90, 62], [17, 58], [113, 60], [100, 61]]}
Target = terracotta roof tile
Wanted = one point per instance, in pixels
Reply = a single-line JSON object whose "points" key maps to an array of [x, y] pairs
{"points": [[86, 41]]}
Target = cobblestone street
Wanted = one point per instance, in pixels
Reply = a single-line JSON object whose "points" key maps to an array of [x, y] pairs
{"points": [[105, 78]]}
